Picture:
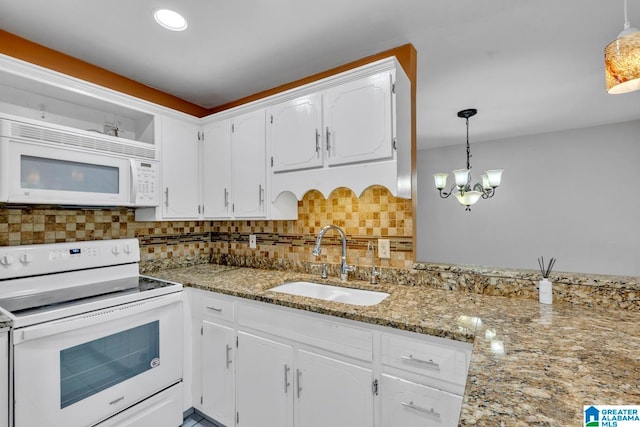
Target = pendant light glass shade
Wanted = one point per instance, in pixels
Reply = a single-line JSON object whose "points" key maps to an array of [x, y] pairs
{"points": [[494, 177], [485, 182], [462, 177], [468, 198], [622, 64], [440, 180]]}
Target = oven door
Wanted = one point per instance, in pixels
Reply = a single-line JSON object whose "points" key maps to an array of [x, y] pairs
{"points": [[83, 369]]}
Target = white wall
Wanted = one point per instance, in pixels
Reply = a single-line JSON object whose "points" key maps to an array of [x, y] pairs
{"points": [[573, 195]]}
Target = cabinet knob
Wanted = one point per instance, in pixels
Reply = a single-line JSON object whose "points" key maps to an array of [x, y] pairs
{"points": [[6, 260], [26, 258]]}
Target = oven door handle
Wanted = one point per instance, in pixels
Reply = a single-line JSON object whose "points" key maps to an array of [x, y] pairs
{"points": [[96, 317]]}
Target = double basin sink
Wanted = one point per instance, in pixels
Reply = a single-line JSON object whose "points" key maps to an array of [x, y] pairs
{"points": [[332, 293]]}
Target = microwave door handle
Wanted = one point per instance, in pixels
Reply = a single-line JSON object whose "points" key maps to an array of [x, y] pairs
{"points": [[133, 187]]}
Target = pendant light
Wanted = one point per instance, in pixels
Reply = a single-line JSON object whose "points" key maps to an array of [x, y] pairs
{"points": [[622, 60], [466, 194]]}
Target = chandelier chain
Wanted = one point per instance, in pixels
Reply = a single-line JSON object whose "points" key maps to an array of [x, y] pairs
{"points": [[468, 147]]}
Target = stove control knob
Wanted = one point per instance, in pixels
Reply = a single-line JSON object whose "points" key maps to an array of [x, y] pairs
{"points": [[6, 260], [115, 250], [26, 258]]}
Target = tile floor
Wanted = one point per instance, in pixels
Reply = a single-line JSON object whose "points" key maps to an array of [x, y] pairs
{"points": [[196, 420]]}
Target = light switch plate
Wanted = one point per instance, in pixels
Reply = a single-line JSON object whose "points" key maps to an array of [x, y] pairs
{"points": [[252, 241], [384, 249]]}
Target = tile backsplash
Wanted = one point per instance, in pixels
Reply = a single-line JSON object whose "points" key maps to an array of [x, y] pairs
{"points": [[375, 214], [288, 245]]}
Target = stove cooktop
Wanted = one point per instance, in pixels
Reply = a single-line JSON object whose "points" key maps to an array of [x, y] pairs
{"points": [[28, 304]]}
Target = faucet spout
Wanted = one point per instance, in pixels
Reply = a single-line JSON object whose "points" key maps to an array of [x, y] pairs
{"points": [[317, 250]]}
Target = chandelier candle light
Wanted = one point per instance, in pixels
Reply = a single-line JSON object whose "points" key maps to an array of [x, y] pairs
{"points": [[466, 194], [622, 60]]}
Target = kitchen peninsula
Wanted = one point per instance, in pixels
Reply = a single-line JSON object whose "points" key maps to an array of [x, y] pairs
{"points": [[531, 363]]}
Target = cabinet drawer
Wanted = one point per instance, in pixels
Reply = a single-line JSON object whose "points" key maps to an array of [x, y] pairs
{"points": [[212, 307], [308, 329], [408, 404], [426, 358]]}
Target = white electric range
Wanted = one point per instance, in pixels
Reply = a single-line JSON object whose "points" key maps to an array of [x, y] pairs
{"points": [[92, 342]]}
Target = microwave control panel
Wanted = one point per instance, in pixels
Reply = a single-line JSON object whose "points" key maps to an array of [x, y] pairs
{"points": [[146, 182]]}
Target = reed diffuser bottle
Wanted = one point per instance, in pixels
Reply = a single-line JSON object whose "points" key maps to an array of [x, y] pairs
{"points": [[545, 287]]}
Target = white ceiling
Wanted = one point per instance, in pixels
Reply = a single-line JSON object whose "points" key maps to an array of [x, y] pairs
{"points": [[528, 66]]}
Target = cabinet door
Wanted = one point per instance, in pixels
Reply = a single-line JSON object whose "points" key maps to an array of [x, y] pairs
{"points": [[218, 349], [264, 387], [408, 404], [179, 169], [332, 393], [295, 133], [216, 169], [358, 120], [248, 158]]}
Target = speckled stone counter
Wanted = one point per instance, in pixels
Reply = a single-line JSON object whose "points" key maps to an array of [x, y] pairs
{"points": [[531, 364]]}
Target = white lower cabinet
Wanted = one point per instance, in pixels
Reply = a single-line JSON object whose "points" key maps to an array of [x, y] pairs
{"points": [[407, 404], [330, 392], [264, 395], [265, 365], [218, 372]]}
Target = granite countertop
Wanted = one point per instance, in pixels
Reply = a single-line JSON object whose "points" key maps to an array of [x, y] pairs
{"points": [[532, 364]]}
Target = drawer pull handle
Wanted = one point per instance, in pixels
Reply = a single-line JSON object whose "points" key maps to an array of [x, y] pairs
{"points": [[219, 310], [113, 402], [229, 361], [298, 375], [429, 412], [430, 364]]}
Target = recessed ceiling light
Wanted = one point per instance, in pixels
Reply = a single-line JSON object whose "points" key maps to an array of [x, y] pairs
{"points": [[170, 19]]}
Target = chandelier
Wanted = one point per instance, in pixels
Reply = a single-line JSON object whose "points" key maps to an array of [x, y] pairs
{"points": [[622, 60], [466, 194]]}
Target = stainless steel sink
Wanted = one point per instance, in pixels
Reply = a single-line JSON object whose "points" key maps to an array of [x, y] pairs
{"points": [[332, 293]]}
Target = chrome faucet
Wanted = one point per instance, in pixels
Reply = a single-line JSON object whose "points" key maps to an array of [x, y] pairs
{"points": [[372, 247], [344, 268]]}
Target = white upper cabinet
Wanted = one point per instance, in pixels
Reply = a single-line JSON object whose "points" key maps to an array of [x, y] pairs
{"points": [[358, 120], [216, 169], [248, 165], [179, 160], [294, 133], [366, 134]]}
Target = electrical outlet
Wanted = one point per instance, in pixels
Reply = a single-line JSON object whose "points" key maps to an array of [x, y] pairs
{"points": [[384, 248], [252, 241]]}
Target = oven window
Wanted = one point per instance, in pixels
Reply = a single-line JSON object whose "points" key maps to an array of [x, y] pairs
{"points": [[53, 174], [89, 368]]}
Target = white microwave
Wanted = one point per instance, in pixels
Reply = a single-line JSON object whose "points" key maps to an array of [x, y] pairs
{"points": [[41, 163]]}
